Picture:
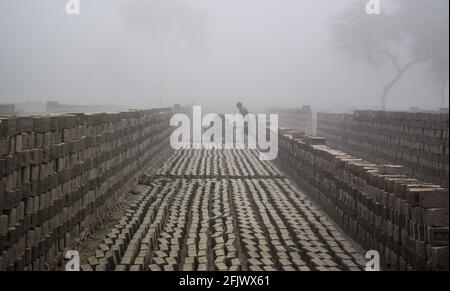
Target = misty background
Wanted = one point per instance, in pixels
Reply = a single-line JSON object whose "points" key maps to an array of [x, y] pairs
{"points": [[142, 54]]}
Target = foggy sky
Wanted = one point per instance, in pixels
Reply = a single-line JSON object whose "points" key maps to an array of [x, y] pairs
{"points": [[260, 52]]}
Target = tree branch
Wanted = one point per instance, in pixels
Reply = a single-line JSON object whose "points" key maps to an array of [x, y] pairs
{"points": [[414, 62], [395, 62], [390, 56]]}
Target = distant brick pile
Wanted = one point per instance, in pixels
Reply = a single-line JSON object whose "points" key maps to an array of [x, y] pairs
{"points": [[7, 109], [294, 118], [417, 141], [383, 209], [61, 175]]}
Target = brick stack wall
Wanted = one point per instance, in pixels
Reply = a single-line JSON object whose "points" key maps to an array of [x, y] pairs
{"points": [[380, 206], [417, 141], [61, 175]]}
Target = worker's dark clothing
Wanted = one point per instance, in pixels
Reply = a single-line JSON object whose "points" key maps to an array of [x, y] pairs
{"points": [[243, 111]]}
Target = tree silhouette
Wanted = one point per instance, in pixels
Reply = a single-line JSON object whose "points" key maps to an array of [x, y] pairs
{"points": [[428, 21], [406, 33]]}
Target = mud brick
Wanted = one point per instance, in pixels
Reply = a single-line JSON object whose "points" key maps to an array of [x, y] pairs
{"points": [[407, 240], [252, 261], [219, 252], [41, 124], [189, 260], [440, 257], [2, 194], [36, 156], [18, 143], [18, 264], [3, 227], [47, 141], [172, 261], [86, 268], [4, 146], [187, 267], [254, 268], [93, 261], [120, 268], [55, 152], [12, 199], [108, 242], [103, 247], [27, 256], [392, 169], [10, 164], [343, 256], [8, 127], [171, 268], [428, 197], [435, 217], [136, 268], [420, 249], [24, 158], [159, 261], [41, 247], [221, 267], [416, 215], [437, 236], [318, 263], [154, 267], [419, 232], [101, 267], [116, 253], [26, 141], [106, 263], [3, 239], [25, 124]]}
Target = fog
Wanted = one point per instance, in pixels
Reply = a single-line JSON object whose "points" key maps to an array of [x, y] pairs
{"points": [[209, 52]]}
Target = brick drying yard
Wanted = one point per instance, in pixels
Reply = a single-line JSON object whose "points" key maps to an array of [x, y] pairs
{"points": [[109, 186], [222, 210]]}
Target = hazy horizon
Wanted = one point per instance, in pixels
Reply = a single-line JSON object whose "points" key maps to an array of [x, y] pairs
{"points": [[261, 52]]}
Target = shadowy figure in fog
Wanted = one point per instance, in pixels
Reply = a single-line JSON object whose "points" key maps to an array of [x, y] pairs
{"points": [[242, 109], [244, 112]]}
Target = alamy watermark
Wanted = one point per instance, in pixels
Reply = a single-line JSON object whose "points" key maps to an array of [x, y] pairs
{"points": [[373, 264], [73, 7], [229, 131], [73, 263], [373, 7]]}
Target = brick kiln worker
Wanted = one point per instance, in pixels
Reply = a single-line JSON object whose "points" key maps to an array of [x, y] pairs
{"points": [[244, 113], [242, 109]]}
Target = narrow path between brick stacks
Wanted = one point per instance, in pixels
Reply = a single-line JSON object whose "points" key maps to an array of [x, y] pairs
{"points": [[223, 210]]}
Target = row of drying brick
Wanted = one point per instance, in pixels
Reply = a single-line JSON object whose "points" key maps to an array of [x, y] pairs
{"points": [[281, 229], [403, 218], [209, 163], [226, 224]]}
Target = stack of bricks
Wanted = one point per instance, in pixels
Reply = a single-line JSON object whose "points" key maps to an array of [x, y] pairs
{"points": [[61, 175], [417, 141], [383, 209]]}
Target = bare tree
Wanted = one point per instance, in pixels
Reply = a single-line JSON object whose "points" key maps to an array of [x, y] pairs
{"points": [[167, 23], [397, 36], [428, 21]]}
